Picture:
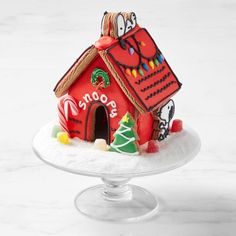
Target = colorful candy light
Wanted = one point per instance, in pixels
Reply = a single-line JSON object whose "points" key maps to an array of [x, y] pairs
{"points": [[143, 44], [145, 67], [134, 73], [151, 64], [160, 58], [128, 71], [131, 51], [140, 72], [156, 62]]}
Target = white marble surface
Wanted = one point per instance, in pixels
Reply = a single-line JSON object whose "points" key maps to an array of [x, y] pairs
{"points": [[40, 39]]}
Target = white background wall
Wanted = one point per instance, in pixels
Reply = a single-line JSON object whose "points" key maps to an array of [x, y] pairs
{"points": [[39, 40]]}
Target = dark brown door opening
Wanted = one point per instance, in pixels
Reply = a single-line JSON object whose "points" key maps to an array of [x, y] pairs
{"points": [[101, 129]]}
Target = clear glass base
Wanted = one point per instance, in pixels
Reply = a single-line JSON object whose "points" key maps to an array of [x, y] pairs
{"points": [[115, 200]]}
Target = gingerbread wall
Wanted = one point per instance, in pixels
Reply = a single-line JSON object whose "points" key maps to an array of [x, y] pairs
{"points": [[86, 95], [112, 98]]}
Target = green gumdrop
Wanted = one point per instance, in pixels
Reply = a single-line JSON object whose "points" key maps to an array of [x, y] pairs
{"points": [[55, 130]]}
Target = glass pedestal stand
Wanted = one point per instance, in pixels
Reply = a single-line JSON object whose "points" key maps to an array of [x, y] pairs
{"points": [[115, 199]]}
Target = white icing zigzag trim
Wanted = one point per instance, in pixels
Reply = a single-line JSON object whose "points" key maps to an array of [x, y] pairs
{"points": [[129, 140]]}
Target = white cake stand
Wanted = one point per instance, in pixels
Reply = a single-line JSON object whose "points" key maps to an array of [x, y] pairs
{"points": [[115, 200]]}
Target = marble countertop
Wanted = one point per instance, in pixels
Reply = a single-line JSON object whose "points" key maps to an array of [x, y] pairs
{"points": [[39, 40]]}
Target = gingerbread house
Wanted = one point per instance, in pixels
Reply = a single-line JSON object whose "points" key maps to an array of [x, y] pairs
{"points": [[124, 71]]}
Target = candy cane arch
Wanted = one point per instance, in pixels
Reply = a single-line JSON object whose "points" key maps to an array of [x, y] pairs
{"points": [[65, 104]]}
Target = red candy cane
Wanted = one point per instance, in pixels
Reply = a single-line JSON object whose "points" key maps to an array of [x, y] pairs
{"points": [[65, 104]]}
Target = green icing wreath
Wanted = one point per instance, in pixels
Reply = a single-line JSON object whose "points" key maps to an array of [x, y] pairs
{"points": [[100, 73]]}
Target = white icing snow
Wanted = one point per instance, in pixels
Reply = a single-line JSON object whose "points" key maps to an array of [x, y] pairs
{"points": [[81, 157]]}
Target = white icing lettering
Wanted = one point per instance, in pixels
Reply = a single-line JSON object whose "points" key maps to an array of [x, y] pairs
{"points": [[95, 96], [103, 98], [82, 105], [87, 98], [112, 103], [113, 113]]}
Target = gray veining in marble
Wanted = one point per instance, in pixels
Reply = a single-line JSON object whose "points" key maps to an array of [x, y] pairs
{"points": [[39, 40]]}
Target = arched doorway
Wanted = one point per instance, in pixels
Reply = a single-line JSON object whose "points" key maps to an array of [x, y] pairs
{"points": [[97, 123], [101, 124]]}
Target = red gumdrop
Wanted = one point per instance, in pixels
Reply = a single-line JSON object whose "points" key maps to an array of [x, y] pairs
{"points": [[104, 42], [177, 126], [153, 146]]}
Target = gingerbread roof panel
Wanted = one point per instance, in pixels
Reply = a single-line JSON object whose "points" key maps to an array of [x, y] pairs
{"points": [[75, 71], [143, 69]]}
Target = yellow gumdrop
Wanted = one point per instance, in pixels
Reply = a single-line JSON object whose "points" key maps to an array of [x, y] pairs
{"points": [[62, 137]]}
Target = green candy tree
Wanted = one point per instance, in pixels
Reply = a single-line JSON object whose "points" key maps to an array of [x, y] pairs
{"points": [[125, 137]]}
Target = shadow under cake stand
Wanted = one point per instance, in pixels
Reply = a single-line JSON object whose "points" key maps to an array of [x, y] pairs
{"points": [[116, 200]]}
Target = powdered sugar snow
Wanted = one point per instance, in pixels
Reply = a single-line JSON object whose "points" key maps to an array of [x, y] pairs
{"points": [[82, 158]]}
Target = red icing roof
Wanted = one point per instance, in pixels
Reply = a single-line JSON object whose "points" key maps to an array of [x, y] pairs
{"points": [[143, 70]]}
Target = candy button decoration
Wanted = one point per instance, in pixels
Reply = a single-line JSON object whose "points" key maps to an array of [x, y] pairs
{"points": [[63, 137], [99, 73]]}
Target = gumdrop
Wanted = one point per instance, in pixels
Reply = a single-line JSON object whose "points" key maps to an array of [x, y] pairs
{"points": [[63, 137], [55, 130], [153, 147], [177, 126], [100, 144]]}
